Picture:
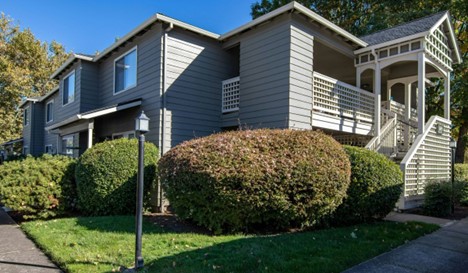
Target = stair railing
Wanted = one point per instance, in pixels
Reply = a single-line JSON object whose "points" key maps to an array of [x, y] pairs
{"points": [[385, 143]]}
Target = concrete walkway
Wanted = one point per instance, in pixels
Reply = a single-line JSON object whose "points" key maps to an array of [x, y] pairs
{"points": [[18, 254], [445, 250]]}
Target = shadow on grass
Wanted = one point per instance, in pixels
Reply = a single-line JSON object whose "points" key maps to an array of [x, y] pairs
{"points": [[332, 250]]}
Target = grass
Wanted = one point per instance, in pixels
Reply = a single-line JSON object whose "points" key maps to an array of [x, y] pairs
{"points": [[101, 244]]}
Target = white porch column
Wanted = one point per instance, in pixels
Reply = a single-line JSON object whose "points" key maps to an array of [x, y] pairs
{"points": [[447, 96], [421, 91], [389, 92], [90, 133], [358, 77], [407, 113], [377, 105]]}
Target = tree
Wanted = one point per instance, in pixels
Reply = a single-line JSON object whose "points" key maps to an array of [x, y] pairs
{"points": [[365, 17], [25, 67]]}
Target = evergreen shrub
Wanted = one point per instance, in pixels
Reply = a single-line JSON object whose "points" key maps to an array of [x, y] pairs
{"points": [[106, 176], [39, 188], [245, 180]]}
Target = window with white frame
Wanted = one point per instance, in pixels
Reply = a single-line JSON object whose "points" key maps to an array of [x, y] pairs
{"points": [[125, 71], [26, 116], [68, 86], [68, 145], [49, 149], [50, 111], [129, 134]]}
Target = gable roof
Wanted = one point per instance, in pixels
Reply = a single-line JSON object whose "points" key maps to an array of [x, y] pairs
{"points": [[69, 61], [294, 6], [421, 25]]}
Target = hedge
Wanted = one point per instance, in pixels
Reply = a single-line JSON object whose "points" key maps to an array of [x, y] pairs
{"points": [[376, 185], [106, 177], [39, 188], [438, 198], [243, 180]]}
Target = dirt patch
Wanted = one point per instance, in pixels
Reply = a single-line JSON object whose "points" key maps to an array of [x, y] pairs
{"points": [[170, 222]]}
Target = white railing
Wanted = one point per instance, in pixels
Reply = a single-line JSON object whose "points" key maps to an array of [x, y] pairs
{"points": [[230, 95], [399, 109], [385, 143], [406, 129], [437, 47], [353, 140], [428, 158], [339, 99]]}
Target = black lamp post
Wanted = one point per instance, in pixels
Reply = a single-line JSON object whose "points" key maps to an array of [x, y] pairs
{"points": [[142, 127], [453, 146]]}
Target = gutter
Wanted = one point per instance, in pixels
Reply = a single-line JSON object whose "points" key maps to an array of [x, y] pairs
{"points": [[164, 89]]}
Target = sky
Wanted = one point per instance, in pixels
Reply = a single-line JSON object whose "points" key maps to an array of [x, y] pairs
{"points": [[87, 26]]}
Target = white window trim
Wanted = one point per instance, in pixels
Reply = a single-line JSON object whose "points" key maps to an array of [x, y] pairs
{"points": [[124, 134], [45, 148], [26, 117], [63, 89], [52, 119], [136, 72]]}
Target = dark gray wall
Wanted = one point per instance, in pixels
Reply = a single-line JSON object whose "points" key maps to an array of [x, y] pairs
{"points": [[27, 128], [89, 86], [73, 108], [196, 66], [50, 138]]}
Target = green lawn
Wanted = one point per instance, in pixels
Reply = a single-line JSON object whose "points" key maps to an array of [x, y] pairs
{"points": [[101, 244]]}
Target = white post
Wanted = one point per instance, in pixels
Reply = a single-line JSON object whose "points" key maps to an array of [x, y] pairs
{"points": [[421, 91], [90, 133], [447, 96], [389, 92], [407, 113], [377, 92], [358, 77]]}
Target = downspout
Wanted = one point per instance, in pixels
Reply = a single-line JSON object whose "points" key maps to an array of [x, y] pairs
{"points": [[164, 89], [160, 193]]}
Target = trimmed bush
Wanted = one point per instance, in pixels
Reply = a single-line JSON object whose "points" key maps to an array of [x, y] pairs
{"points": [[106, 176], [461, 172], [242, 180], [438, 199], [376, 185], [39, 188]]}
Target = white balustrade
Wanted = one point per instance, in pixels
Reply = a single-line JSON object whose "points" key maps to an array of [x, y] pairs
{"points": [[230, 95]]}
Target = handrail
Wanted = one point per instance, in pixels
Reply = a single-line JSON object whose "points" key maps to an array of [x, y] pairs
{"points": [[420, 138], [375, 143], [354, 88]]}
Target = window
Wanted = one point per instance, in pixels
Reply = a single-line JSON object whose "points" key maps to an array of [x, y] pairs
{"points": [[69, 88], [129, 134], [68, 145], [48, 149], [50, 111], [26, 116], [25, 150], [125, 71]]}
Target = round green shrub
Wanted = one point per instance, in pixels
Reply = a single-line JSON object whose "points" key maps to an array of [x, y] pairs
{"points": [[39, 188], [376, 185], [243, 180], [438, 199], [106, 176]]}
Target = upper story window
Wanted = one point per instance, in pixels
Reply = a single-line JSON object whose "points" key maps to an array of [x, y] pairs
{"points": [[50, 111], [69, 88], [125, 71], [26, 116]]}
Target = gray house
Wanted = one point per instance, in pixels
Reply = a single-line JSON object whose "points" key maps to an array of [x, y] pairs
{"points": [[290, 68]]}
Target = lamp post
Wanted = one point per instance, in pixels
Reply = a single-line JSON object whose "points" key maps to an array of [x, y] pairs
{"points": [[141, 127], [453, 146]]}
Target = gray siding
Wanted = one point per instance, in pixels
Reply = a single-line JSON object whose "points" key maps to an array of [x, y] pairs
{"points": [[148, 78], [37, 129], [264, 75], [63, 112], [196, 66], [49, 138], [27, 128], [301, 65], [89, 84]]}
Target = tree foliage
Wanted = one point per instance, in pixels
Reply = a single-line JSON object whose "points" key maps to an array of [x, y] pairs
{"points": [[26, 64], [368, 16]]}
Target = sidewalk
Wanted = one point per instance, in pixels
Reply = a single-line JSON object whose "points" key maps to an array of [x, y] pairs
{"points": [[18, 254], [445, 250]]}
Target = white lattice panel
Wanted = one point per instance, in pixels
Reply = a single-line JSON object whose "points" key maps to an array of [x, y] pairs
{"points": [[437, 47], [429, 158], [339, 99], [231, 95], [353, 140]]}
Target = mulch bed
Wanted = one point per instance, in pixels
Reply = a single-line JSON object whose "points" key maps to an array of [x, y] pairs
{"points": [[170, 222]]}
